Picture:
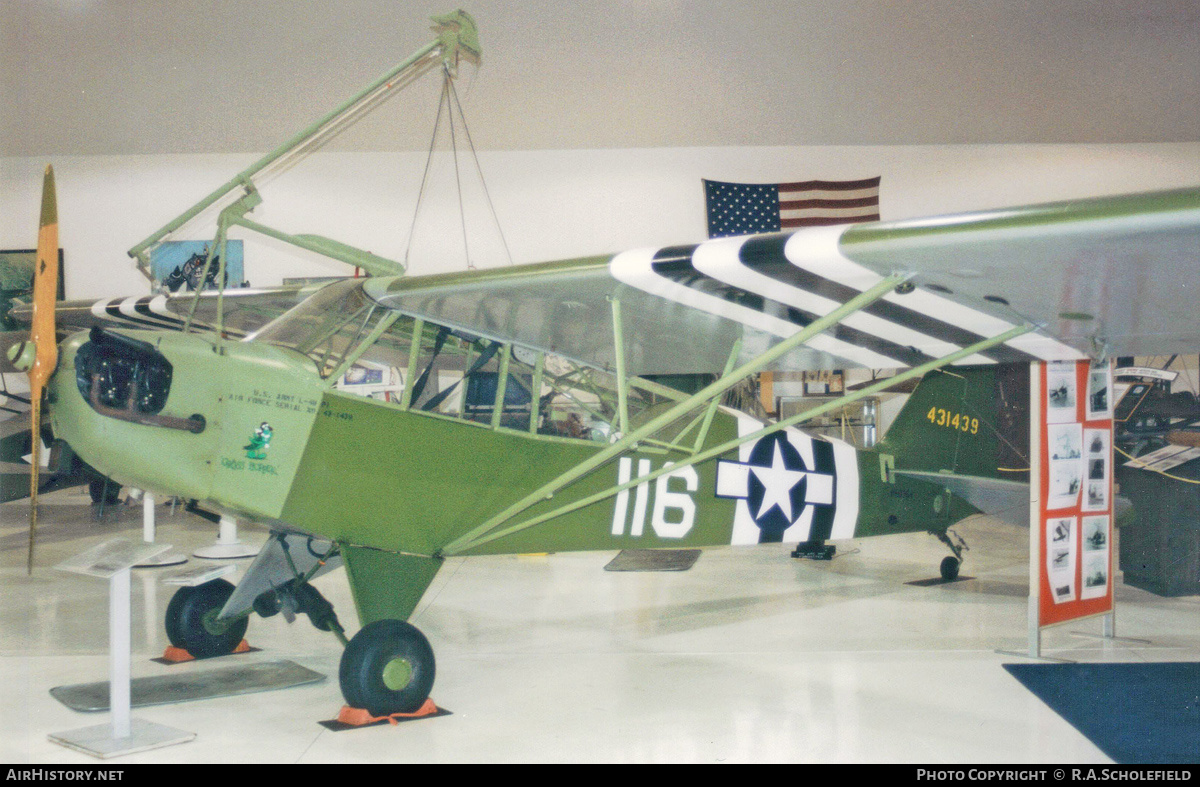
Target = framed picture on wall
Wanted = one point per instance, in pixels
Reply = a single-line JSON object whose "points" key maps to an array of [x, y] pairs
{"points": [[178, 265], [16, 282]]}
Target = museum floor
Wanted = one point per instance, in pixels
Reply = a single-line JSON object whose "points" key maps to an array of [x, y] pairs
{"points": [[750, 656]]}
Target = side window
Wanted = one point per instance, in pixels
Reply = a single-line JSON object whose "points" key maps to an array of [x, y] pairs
{"points": [[327, 326], [454, 374], [379, 372], [442, 359], [575, 401]]}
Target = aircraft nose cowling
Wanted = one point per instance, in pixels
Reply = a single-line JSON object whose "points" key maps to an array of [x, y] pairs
{"points": [[128, 379], [137, 412]]}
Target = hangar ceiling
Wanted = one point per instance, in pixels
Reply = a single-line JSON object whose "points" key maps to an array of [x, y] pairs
{"points": [[97, 77]]}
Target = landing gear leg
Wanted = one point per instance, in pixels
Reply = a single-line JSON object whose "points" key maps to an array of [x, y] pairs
{"points": [[950, 565], [301, 597], [814, 550]]}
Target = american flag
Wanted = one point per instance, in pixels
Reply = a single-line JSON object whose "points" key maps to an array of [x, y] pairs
{"points": [[749, 208]]}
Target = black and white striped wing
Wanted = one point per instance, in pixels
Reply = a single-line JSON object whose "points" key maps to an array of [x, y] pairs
{"points": [[1116, 275]]}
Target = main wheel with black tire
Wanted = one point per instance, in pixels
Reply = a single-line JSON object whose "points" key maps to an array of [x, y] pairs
{"points": [[192, 622], [949, 568], [387, 668]]}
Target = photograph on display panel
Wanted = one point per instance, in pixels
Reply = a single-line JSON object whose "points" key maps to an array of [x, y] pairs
{"points": [[1098, 481], [1066, 465], [16, 282], [1060, 558], [1060, 393], [1099, 394]]}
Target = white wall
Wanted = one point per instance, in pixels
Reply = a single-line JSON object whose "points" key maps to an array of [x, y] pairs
{"points": [[551, 204]]}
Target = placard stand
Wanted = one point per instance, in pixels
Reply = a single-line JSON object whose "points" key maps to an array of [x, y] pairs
{"points": [[228, 545], [148, 533], [113, 560]]}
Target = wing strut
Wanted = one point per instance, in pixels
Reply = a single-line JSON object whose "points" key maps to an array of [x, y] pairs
{"points": [[456, 39], [631, 438]]}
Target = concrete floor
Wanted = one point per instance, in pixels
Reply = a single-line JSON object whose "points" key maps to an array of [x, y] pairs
{"points": [[750, 656]]}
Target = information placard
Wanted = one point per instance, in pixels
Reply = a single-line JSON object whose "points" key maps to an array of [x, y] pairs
{"points": [[1073, 521]]}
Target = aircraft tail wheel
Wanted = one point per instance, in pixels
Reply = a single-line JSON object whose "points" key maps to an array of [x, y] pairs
{"points": [[387, 668], [949, 568], [192, 620]]}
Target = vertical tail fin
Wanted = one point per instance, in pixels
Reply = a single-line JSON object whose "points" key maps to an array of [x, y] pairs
{"points": [[965, 420]]}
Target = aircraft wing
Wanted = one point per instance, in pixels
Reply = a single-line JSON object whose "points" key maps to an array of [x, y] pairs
{"points": [[1115, 274], [245, 310], [1119, 271]]}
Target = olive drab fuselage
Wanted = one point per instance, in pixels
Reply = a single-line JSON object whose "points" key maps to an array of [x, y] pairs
{"points": [[282, 446]]}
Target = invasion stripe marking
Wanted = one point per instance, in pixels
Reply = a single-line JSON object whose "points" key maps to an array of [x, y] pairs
{"points": [[818, 251], [635, 269], [156, 307], [134, 311], [757, 264], [114, 311], [767, 255], [678, 263], [133, 306]]}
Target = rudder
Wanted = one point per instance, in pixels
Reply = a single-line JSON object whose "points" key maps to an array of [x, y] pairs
{"points": [[965, 420]]}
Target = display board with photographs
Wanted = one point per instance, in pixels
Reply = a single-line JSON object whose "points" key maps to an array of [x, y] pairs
{"points": [[1074, 510]]}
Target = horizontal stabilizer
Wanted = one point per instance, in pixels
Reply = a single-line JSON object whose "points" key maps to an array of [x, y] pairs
{"points": [[1003, 499], [998, 497]]}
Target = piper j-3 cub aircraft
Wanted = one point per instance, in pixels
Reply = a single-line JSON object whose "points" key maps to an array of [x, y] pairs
{"points": [[516, 410]]}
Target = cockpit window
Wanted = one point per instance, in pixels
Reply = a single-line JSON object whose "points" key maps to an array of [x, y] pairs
{"points": [[327, 325], [449, 373]]}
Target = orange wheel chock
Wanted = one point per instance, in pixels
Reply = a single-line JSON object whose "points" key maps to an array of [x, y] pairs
{"points": [[179, 655], [358, 717]]}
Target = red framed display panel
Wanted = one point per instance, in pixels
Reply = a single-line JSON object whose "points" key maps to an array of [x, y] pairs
{"points": [[1073, 514]]}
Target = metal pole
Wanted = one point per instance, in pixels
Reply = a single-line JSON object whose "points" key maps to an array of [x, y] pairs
{"points": [[335, 250], [501, 386], [1036, 548], [119, 644], [716, 402], [535, 392], [148, 517], [243, 177], [622, 379], [414, 353]]}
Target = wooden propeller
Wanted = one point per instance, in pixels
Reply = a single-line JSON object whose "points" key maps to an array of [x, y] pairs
{"points": [[39, 355]]}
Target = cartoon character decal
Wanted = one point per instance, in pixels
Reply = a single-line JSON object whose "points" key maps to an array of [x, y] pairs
{"points": [[260, 441]]}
